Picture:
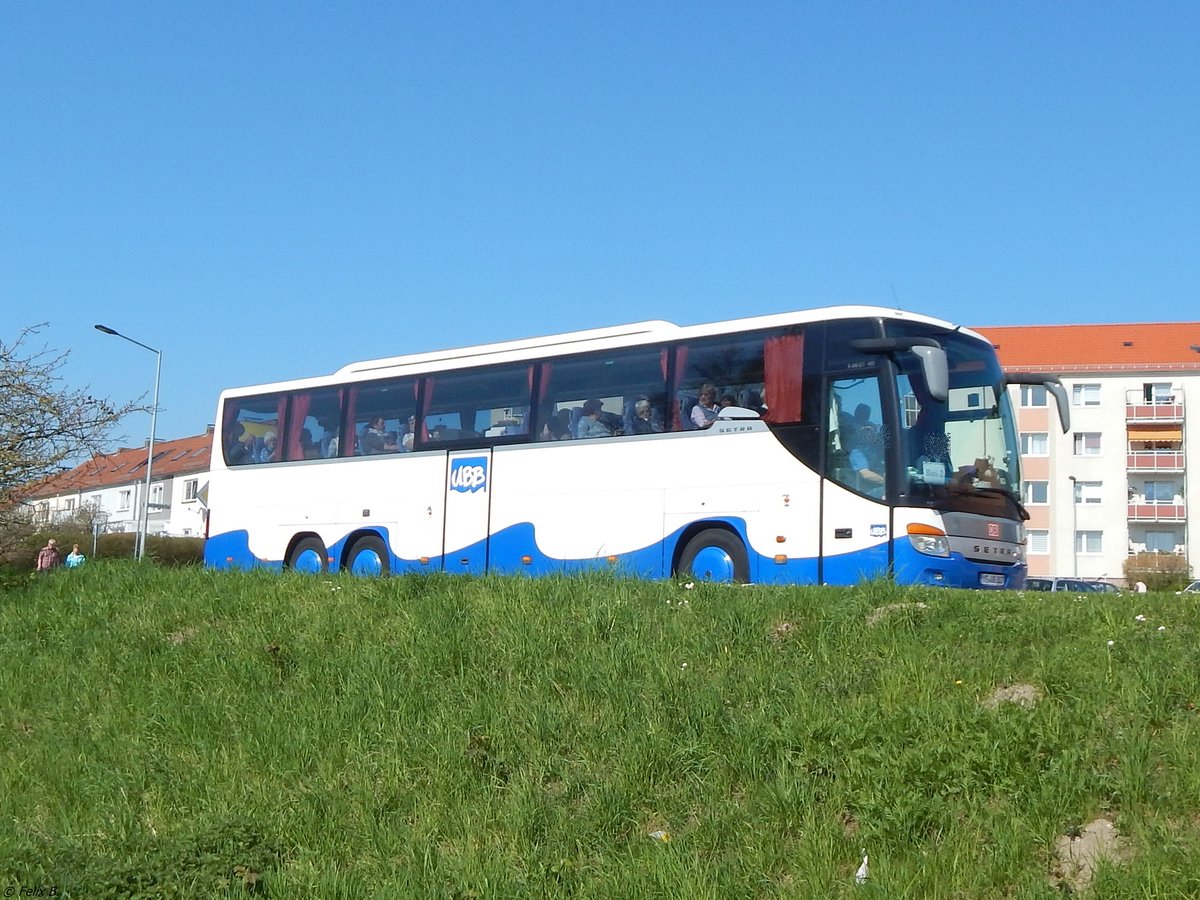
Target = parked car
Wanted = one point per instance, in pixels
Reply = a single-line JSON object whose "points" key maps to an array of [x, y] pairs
{"points": [[1193, 588], [1078, 585]]}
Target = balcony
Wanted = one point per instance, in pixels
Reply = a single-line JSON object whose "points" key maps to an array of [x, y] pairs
{"points": [[1157, 512], [1154, 461], [1163, 410]]}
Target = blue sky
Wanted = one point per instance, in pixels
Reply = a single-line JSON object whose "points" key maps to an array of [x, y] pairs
{"points": [[271, 190]]}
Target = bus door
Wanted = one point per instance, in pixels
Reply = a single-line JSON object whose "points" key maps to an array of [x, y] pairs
{"points": [[468, 510], [855, 517]]}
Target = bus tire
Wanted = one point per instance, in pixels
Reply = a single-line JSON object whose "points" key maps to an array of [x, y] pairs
{"points": [[368, 557], [715, 555], [309, 556]]}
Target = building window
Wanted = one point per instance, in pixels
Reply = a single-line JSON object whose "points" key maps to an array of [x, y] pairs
{"points": [[1088, 491], [1088, 542], [1033, 395], [1039, 542], [1035, 443], [1037, 492], [157, 492], [1158, 392], [1085, 395], [1087, 443], [124, 500], [1160, 541], [190, 488], [69, 504], [1160, 492]]}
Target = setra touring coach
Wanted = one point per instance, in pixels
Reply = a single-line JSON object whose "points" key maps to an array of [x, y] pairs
{"points": [[816, 447]]}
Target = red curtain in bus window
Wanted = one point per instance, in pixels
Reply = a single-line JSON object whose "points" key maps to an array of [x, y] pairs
{"points": [[281, 434], [539, 414], [347, 443], [675, 413], [228, 417], [300, 403], [783, 362], [420, 414]]}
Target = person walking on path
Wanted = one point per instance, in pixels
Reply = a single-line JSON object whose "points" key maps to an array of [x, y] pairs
{"points": [[48, 557], [75, 558]]}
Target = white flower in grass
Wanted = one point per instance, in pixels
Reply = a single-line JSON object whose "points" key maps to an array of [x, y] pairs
{"points": [[1162, 627], [1110, 643], [689, 585], [684, 666], [1139, 618]]}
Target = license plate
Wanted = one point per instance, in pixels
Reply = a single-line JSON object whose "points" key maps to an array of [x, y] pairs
{"points": [[991, 579]]}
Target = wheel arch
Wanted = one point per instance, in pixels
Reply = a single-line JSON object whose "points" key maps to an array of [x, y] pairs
{"points": [[694, 529], [353, 537], [295, 541]]}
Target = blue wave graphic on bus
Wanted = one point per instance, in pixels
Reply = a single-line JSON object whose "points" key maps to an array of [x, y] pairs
{"points": [[468, 474], [516, 550]]}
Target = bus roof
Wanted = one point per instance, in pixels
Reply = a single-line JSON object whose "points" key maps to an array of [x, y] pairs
{"points": [[634, 334]]}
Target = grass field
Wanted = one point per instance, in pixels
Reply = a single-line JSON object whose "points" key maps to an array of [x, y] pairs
{"points": [[196, 734]]}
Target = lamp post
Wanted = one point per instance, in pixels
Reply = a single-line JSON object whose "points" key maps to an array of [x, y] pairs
{"points": [[144, 512], [1074, 527]]}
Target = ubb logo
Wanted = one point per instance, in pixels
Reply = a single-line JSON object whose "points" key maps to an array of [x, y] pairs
{"points": [[468, 474]]}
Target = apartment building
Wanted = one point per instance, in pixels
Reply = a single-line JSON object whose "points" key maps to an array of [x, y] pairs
{"points": [[108, 490], [1116, 484]]}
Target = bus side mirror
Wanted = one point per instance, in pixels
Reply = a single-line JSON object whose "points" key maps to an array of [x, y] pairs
{"points": [[936, 371], [932, 355], [1053, 386]]}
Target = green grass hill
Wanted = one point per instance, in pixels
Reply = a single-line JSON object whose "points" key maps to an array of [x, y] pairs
{"points": [[186, 733]]}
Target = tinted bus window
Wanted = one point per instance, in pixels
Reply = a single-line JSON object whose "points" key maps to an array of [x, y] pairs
{"points": [[603, 395], [382, 417], [488, 404], [251, 429], [314, 421]]}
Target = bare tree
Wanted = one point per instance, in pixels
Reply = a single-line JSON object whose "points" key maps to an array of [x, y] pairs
{"points": [[43, 423]]}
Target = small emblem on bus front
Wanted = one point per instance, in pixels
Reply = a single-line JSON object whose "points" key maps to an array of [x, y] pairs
{"points": [[993, 529]]}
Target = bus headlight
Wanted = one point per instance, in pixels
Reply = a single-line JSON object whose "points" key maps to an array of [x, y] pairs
{"points": [[929, 540]]}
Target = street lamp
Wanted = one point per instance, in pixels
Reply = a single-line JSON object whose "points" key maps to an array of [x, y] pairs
{"points": [[144, 512], [1074, 527]]}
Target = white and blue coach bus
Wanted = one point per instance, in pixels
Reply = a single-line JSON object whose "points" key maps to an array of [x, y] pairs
{"points": [[818, 447]]}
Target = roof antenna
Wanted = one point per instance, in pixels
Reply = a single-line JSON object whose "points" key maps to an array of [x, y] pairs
{"points": [[894, 297]]}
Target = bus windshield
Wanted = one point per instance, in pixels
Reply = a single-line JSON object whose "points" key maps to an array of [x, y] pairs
{"points": [[967, 445]]}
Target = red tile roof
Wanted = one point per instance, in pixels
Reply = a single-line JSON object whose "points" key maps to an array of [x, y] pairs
{"points": [[1155, 346], [179, 457]]}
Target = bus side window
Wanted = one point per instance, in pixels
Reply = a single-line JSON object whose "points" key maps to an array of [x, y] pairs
{"points": [[570, 388], [380, 414], [312, 424], [478, 406], [252, 435]]}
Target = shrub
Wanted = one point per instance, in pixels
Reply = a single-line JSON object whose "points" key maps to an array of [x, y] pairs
{"points": [[1158, 571]]}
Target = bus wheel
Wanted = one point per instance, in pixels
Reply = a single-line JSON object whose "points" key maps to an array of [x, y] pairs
{"points": [[715, 555], [368, 556], [308, 556]]}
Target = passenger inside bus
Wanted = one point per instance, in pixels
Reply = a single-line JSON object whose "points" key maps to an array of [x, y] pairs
{"points": [[558, 426], [642, 421], [266, 452], [866, 459], [308, 447], [408, 437], [235, 452], [375, 439], [590, 425], [704, 413]]}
